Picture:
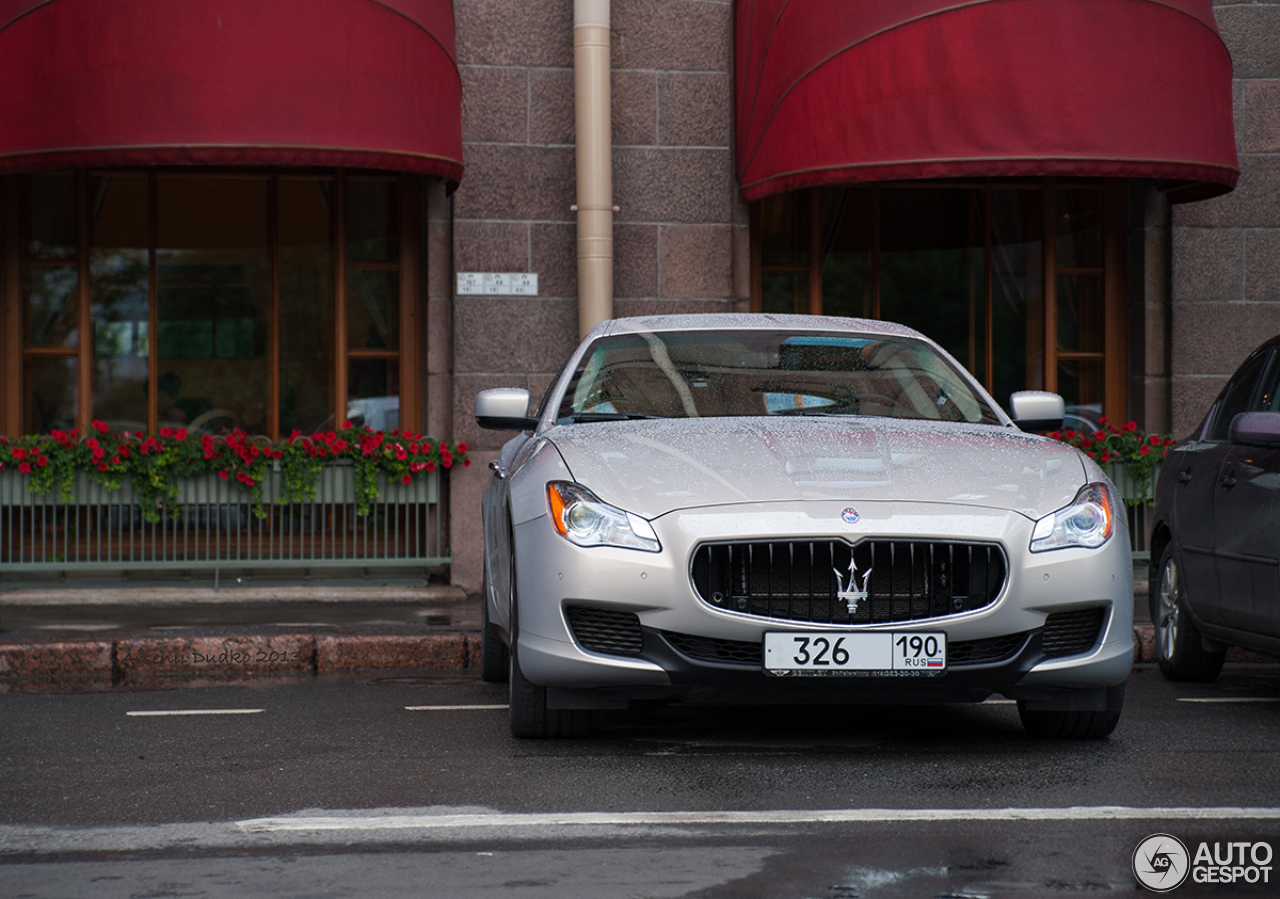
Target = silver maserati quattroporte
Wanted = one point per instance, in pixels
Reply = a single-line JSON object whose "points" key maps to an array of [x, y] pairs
{"points": [[785, 509]]}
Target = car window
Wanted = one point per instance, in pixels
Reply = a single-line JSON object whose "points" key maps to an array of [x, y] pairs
{"points": [[1268, 399], [701, 374], [1238, 395]]}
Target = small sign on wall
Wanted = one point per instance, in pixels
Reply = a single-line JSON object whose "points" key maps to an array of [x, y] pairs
{"points": [[498, 284]]}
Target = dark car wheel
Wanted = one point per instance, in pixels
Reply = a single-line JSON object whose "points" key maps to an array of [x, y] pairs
{"points": [[494, 664], [1179, 647], [530, 717], [1074, 725]]}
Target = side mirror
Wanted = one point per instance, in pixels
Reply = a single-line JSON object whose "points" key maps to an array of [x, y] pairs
{"points": [[1255, 429], [504, 409], [1037, 411]]}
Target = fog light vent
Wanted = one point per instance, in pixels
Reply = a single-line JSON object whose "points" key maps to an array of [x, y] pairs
{"points": [[605, 630], [1071, 633]]}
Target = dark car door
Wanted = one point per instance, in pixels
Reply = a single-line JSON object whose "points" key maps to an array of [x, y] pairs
{"points": [[1247, 515], [1199, 471]]}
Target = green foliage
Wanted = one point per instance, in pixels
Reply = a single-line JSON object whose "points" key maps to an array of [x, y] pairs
{"points": [[156, 463]]}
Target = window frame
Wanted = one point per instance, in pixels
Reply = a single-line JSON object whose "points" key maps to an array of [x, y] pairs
{"points": [[1112, 270], [14, 353]]}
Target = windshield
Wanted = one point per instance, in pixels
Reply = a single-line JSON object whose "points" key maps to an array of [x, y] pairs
{"points": [[703, 374]]}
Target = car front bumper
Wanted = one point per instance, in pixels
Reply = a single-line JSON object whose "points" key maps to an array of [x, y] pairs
{"points": [[657, 589]]}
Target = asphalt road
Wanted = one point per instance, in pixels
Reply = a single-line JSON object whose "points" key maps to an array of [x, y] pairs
{"points": [[413, 787]]}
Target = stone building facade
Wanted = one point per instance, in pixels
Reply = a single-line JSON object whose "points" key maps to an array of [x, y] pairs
{"points": [[1192, 286]]}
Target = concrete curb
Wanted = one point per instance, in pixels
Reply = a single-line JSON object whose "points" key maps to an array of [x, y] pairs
{"points": [[27, 667], [133, 661]]}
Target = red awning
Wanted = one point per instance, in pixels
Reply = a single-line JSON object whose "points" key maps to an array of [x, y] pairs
{"points": [[832, 92], [367, 83]]}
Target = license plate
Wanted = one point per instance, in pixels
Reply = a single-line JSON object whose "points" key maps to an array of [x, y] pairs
{"points": [[886, 654]]}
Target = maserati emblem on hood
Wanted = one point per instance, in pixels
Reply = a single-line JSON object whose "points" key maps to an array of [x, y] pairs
{"points": [[852, 594]]}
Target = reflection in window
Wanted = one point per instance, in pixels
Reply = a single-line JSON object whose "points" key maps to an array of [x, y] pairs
{"points": [[119, 283], [213, 295]]}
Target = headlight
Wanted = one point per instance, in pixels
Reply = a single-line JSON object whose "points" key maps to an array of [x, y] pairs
{"points": [[1087, 522], [581, 518]]}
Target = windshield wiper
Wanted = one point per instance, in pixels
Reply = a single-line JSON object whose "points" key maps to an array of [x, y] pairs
{"points": [[580, 417]]}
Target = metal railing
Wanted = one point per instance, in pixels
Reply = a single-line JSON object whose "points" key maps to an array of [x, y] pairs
{"points": [[1138, 514], [214, 525]]}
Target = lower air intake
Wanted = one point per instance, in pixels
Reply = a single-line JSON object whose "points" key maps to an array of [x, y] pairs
{"points": [[605, 631]]}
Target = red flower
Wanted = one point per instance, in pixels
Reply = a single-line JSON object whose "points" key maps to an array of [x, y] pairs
{"points": [[102, 466], [58, 435], [407, 479], [1144, 449], [295, 434], [1101, 435], [466, 463], [1131, 426], [223, 475], [248, 481], [1106, 456], [19, 453], [401, 454], [462, 447], [339, 445], [346, 425], [1103, 419], [166, 431], [100, 426], [1056, 435], [413, 448], [42, 460], [208, 454], [181, 433], [1154, 440], [431, 466], [447, 463], [24, 467], [1071, 435]]}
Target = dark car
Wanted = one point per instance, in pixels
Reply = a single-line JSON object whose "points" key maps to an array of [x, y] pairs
{"points": [[1215, 545]]}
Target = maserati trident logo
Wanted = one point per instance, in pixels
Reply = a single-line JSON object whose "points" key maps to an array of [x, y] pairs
{"points": [[852, 594]]}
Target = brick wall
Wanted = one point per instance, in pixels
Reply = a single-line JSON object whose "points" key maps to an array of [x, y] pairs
{"points": [[681, 239], [1226, 252]]}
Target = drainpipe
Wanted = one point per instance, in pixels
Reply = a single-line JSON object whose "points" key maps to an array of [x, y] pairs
{"points": [[591, 72]]}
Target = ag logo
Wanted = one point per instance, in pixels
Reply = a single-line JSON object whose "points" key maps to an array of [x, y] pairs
{"points": [[1161, 862]]}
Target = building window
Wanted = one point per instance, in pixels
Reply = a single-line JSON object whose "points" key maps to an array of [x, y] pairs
{"points": [[266, 301], [969, 265]]}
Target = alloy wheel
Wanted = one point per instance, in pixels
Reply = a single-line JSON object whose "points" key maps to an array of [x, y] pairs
{"points": [[1168, 614]]}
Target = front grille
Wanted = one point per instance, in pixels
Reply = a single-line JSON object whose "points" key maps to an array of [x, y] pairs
{"points": [[832, 582], [1070, 633], [605, 630]]}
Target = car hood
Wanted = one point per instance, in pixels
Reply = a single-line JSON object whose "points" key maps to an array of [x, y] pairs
{"points": [[655, 467]]}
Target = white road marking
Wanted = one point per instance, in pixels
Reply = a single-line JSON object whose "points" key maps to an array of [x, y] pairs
{"points": [[710, 818], [450, 708], [1232, 699], [999, 702], [168, 712]]}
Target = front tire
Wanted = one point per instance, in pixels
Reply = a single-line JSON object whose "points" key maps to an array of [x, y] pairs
{"points": [[1180, 648], [1074, 725], [530, 717], [494, 661]]}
